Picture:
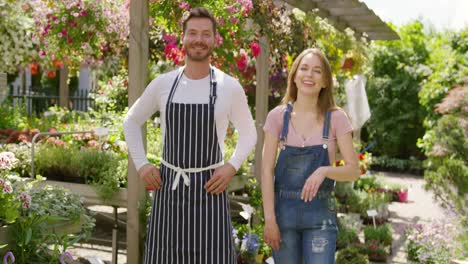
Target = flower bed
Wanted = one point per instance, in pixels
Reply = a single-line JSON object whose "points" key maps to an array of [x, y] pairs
{"points": [[35, 216]]}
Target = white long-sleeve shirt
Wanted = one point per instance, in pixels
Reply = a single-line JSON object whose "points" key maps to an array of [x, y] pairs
{"points": [[231, 106]]}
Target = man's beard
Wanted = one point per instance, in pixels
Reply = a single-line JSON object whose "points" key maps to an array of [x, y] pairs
{"points": [[194, 56]]}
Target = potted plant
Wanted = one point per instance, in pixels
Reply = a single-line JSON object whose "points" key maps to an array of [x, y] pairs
{"points": [[378, 242], [376, 251], [399, 193], [382, 233], [346, 236]]}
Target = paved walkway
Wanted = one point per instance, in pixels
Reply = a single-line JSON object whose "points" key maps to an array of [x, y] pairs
{"points": [[421, 208]]}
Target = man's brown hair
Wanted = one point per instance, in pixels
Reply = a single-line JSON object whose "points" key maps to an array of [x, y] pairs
{"points": [[202, 13]]}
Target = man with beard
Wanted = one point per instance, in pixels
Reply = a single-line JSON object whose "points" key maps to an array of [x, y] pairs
{"points": [[190, 220]]}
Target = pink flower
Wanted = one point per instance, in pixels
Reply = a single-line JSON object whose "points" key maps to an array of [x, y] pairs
{"points": [[241, 62], [218, 40], [83, 13], [247, 6], [25, 197], [234, 20], [231, 9], [169, 39], [7, 188], [255, 49], [184, 5], [26, 204], [42, 53], [7, 159], [221, 21]]}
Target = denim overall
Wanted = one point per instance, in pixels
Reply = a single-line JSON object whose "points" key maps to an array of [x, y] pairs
{"points": [[308, 229]]}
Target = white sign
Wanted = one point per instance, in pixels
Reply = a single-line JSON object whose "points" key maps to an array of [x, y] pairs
{"points": [[372, 213]]}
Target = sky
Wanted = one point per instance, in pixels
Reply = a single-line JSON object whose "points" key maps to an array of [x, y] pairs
{"points": [[442, 14]]}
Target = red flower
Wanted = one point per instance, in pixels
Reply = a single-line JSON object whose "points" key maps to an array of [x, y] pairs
{"points": [[34, 67], [363, 171], [241, 62], [255, 49], [58, 64], [361, 156], [51, 74], [373, 247]]}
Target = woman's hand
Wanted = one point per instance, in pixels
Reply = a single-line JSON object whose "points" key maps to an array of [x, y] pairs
{"points": [[272, 235], [312, 184]]}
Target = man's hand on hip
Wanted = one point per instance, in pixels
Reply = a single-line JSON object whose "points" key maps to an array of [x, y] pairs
{"points": [[220, 179], [151, 176]]}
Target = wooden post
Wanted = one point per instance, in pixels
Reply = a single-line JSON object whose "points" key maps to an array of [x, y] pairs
{"points": [[63, 88], [261, 101], [137, 71]]}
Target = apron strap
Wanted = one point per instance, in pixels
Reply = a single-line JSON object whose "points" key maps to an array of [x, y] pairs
{"points": [[286, 117], [326, 125], [213, 86], [175, 84]]}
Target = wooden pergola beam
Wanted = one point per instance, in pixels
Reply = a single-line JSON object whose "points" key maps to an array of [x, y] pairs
{"points": [[137, 80], [261, 100]]}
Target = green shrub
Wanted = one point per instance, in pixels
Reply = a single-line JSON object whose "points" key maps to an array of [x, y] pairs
{"points": [[351, 255], [105, 170], [382, 233], [386, 163], [396, 70], [346, 236], [446, 146]]}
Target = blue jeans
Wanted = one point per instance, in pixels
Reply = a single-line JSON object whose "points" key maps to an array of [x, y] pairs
{"points": [[308, 230]]}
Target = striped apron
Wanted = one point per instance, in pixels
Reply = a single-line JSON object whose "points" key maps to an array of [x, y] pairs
{"points": [[187, 224]]}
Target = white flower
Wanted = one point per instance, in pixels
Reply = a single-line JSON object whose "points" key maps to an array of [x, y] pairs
{"points": [[248, 211]]}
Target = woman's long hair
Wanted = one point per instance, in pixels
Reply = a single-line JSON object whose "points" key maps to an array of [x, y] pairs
{"points": [[325, 100]]}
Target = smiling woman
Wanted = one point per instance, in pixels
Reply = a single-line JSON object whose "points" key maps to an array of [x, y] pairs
{"points": [[300, 218]]}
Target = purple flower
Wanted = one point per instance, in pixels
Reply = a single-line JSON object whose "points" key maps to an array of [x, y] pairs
{"points": [[184, 5], [250, 242]]}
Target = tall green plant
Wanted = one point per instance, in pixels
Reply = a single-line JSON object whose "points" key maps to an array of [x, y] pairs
{"points": [[446, 146], [395, 72]]}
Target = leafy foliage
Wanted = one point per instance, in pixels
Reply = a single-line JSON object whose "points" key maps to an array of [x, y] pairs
{"points": [[395, 72]]}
